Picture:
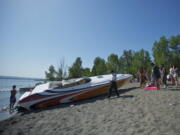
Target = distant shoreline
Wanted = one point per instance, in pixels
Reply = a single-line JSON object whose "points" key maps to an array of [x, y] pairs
{"points": [[21, 78]]}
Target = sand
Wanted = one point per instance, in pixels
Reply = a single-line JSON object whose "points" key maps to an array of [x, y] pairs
{"points": [[135, 112]]}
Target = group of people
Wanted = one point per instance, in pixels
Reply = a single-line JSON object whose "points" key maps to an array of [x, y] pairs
{"points": [[159, 76]]}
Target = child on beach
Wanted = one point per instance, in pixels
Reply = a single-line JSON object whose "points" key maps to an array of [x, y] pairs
{"points": [[13, 97]]}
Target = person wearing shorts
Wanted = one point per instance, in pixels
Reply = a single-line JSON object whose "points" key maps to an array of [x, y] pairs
{"points": [[156, 75], [175, 75], [13, 97], [113, 85]]}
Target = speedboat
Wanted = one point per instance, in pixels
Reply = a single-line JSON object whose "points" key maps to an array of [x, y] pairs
{"points": [[57, 92]]}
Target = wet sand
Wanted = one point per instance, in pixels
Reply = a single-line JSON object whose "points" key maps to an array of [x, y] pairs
{"points": [[135, 112]]}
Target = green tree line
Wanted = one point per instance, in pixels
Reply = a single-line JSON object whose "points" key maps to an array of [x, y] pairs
{"points": [[165, 51]]}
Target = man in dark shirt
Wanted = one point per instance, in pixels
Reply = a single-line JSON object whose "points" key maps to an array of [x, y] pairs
{"points": [[163, 73], [13, 97], [113, 85], [156, 75]]}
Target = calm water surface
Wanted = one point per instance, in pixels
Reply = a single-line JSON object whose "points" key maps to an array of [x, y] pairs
{"points": [[6, 86]]}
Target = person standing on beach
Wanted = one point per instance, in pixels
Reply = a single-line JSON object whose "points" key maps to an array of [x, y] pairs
{"points": [[175, 75], [142, 77], [113, 85], [13, 97], [163, 73], [171, 75], [155, 75]]}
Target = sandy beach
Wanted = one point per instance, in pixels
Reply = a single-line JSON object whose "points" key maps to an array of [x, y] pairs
{"points": [[135, 112]]}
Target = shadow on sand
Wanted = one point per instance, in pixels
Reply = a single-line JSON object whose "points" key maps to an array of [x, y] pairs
{"points": [[85, 101], [171, 88]]}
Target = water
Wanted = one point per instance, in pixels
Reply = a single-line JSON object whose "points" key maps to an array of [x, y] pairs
{"points": [[5, 87]]}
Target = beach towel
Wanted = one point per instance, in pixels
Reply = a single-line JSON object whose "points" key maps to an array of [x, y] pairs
{"points": [[151, 87]]}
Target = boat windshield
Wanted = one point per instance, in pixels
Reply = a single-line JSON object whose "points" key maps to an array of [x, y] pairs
{"points": [[55, 84], [69, 83], [74, 82]]}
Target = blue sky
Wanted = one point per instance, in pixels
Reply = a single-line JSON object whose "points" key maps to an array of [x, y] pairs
{"points": [[37, 33]]}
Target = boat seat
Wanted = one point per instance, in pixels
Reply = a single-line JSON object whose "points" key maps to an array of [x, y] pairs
{"points": [[55, 84], [75, 82]]}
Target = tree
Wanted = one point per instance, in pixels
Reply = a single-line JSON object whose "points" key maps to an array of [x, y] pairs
{"points": [[51, 74], [99, 67], [75, 70], [113, 63], [61, 73], [174, 42], [141, 59], [122, 65], [126, 61], [167, 51], [174, 45], [161, 51], [86, 72]]}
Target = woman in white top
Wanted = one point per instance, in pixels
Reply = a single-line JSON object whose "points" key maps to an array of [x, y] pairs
{"points": [[171, 75], [175, 75]]}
